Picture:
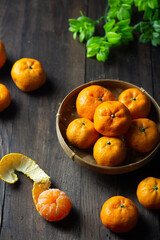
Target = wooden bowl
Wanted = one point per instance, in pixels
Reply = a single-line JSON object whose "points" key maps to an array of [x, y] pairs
{"points": [[67, 112]]}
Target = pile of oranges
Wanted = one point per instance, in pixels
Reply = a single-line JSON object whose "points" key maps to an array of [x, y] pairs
{"points": [[109, 125], [27, 74]]}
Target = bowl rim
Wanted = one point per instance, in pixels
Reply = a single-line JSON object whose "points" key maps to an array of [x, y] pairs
{"points": [[95, 167]]}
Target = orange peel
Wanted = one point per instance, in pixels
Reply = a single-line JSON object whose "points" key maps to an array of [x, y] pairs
{"points": [[42, 182]]}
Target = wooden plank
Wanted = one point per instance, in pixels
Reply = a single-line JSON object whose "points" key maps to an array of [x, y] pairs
{"points": [[39, 30]]}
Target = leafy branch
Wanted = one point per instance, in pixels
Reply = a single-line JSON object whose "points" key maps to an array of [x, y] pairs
{"points": [[118, 27]]}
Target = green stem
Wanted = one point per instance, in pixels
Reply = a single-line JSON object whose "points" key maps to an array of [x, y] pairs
{"points": [[106, 12]]}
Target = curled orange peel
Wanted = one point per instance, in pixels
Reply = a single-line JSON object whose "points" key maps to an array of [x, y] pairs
{"points": [[19, 162]]}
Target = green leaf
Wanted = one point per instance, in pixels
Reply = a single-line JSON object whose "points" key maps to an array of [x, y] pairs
{"points": [[74, 35], [81, 36], [148, 14], [113, 38], [109, 25], [153, 4], [122, 24], [123, 13], [156, 26], [102, 56]]}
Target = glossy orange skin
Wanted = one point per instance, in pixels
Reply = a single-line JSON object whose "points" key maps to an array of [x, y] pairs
{"points": [[136, 101], [28, 74], [53, 205], [109, 151], [91, 97], [119, 214], [107, 125], [148, 193], [5, 97], [81, 133], [142, 140], [3, 55]]}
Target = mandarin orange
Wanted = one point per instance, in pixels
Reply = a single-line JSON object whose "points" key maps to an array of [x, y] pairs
{"points": [[81, 133], [3, 55], [112, 118], [136, 101], [109, 151], [91, 97], [53, 205], [148, 192], [28, 74], [143, 135], [119, 214], [5, 97]]}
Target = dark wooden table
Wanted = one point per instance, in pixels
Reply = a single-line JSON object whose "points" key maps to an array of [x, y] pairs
{"points": [[39, 29]]}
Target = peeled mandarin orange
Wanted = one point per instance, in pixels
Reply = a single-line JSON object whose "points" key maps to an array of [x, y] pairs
{"points": [[112, 118], [91, 97], [53, 205], [28, 74]]}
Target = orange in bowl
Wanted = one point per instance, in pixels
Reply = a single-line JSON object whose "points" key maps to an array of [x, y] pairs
{"points": [[81, 133], [28, 74], [136, 101], [112, 118], [91, 97], [119, 214], [109, 151], [143, 135]]}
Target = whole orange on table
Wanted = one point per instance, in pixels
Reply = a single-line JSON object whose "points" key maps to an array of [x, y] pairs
{"points": [[28, 74], [81, 133], [112, 118], [109, 151], [3, 55], [119, 214], [91, 97], [143, 135], [5, 97], [148, 192], [136, 101]]}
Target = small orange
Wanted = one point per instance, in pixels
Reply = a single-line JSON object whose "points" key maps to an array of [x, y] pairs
{"points": [[3, 55], [81, 133], [119, 214], [136, 101], [5, 97], [28, 74], [109, 151], [142, 135], [148, 192], [53, 205], [91, 97], [112, 118]]}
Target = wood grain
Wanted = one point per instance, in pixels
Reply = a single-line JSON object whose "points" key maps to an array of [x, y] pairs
{"points": [[39, 29]]}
